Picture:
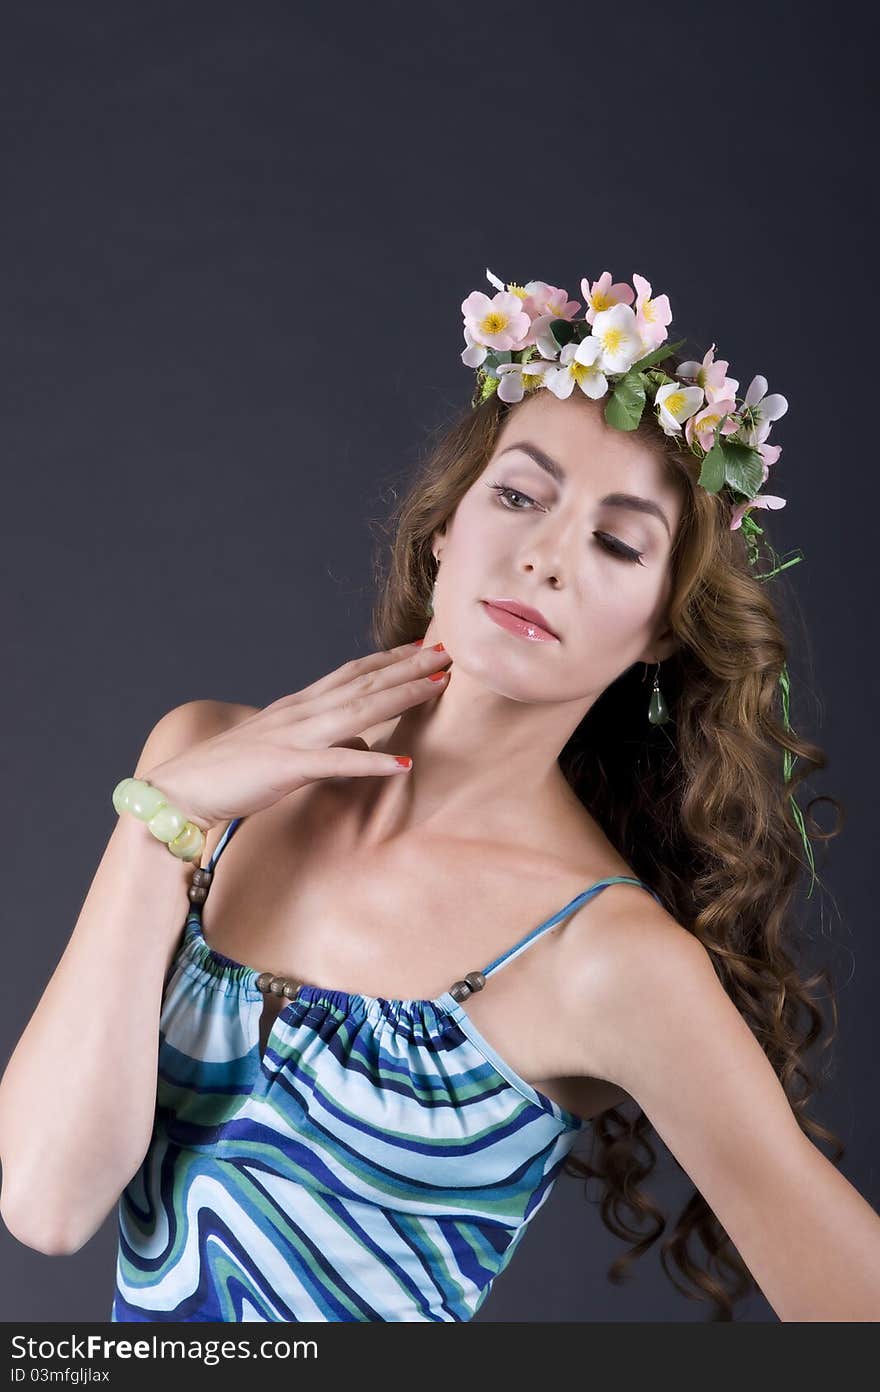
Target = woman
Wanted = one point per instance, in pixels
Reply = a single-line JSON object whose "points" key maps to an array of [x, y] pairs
{"points": [[598, 902]]}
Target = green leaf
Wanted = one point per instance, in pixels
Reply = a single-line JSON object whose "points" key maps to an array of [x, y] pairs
{"points": [[494, 358], [743, 467], [662, 379], [729, 462], [712, 470], [626, 403], [657, 354], [562, 331]]}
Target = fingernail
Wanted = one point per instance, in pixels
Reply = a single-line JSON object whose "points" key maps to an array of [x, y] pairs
{"points": [[404, 760], [438, 647], [417, 642], [437, 676]]}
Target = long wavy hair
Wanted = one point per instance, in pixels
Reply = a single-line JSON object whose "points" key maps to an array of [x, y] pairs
{"points": [[699, 808]]}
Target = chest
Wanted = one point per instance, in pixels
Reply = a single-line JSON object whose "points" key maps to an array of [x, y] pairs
{"points": [[291, 895]]}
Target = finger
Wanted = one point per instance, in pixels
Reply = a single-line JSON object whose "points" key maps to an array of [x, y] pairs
{"points": [[340, 721], [349, 671], [340, 762]]}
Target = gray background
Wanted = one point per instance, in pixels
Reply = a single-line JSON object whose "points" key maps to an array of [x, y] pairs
{"points": [[234, 244]]}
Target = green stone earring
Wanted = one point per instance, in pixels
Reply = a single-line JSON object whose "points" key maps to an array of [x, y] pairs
{"points": [[657, 710]]}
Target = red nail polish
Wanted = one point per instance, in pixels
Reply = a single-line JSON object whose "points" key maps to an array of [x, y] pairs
{"points": [[417, 642], [404, 760], [437, 676], [438, 647]]}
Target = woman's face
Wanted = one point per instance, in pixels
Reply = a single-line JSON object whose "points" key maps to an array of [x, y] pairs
{"points": [[554, 539]]}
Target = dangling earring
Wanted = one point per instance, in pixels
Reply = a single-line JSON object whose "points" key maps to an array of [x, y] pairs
{"points": [[657, 711]]}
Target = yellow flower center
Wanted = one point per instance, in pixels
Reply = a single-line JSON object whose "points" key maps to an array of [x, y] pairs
{"points": [[517, 290], [600, 301], [648, 311], [612, 340], [580, 370], [493, 323], [674, 402]]}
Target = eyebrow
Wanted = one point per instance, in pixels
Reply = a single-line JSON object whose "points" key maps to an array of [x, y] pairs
{"points": [[621, 500]]}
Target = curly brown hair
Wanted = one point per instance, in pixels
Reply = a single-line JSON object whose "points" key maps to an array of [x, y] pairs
{"points": [[699, 807]]}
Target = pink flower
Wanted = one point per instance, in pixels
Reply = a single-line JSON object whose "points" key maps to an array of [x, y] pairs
{"points": [[541, 299], [703, 424], [711, 376], [500, 322], [769, 454], [602, 294], [544, 303], [652, 316], [761, 500]]}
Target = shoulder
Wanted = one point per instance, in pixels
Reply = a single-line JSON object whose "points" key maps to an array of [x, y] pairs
{"points": [[187, 724], [622, 976]]}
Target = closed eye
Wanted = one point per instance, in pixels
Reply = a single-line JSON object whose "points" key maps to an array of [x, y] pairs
{"points": [[610, 543]]}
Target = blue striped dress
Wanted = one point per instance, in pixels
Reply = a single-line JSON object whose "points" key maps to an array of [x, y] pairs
{"points": [[377, 1160]]}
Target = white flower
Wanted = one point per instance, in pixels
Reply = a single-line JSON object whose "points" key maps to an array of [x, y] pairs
{"points": [[578, 363], [617, 333], [512, 387], [675, 404], [475, 353], [765, 408]]}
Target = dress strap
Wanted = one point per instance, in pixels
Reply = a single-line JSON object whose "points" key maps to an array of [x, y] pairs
{"points": [[562, 913], [221, 844]]}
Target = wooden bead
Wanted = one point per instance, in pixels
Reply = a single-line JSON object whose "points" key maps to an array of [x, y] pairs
{"points": [[277, 985], [474, 981], [200, 883]]}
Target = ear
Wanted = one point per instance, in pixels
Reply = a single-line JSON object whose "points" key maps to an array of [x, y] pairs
{"points": [[662, 646]]}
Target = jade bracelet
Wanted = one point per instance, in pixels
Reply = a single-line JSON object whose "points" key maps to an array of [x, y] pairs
{"points": [[167, 823]]}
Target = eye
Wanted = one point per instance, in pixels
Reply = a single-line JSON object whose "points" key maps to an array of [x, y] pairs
{"points": [[501, 489], [610, 543], [619, 548]]}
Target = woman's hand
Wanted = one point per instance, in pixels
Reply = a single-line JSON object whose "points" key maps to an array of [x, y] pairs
{"points": [[303, 737]]}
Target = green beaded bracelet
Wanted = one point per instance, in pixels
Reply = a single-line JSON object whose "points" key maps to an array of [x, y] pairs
{"points": [[168, 824]]}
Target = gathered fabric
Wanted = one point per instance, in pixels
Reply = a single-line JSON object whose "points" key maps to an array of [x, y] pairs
{"points": [[376, 1160]]}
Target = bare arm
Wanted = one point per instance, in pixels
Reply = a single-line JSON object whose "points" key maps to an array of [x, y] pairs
{"points": [[77, 1099], [662, 1026]]}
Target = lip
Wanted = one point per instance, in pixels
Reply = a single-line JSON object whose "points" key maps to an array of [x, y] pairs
{"points": [[520, 618]]}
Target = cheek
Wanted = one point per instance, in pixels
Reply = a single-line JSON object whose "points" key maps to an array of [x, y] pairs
{"points": [[617, 616], [475, 548]]}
